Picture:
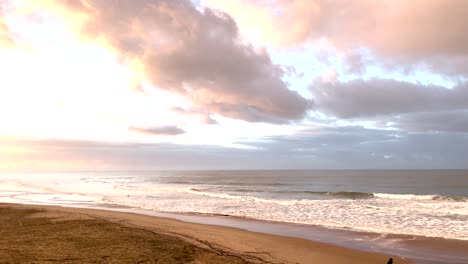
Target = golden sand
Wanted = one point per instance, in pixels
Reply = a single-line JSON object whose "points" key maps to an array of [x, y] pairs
{"points": [[49, 234]]}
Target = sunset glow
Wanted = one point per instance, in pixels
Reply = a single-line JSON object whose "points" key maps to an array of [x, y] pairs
{"points": [[287, 80]]}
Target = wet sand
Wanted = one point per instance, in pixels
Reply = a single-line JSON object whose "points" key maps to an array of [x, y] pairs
{"points": [[51, 234], [422, 250]]}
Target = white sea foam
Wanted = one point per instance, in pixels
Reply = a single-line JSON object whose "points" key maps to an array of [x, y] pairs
{"points": [[239, 197], [426, 215], [404, 196]]}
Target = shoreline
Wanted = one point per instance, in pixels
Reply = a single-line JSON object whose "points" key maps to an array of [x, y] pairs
{"points": [[250, 247], [418, 249]]}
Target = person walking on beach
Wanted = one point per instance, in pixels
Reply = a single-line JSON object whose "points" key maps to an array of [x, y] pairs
{"points": [[390, 261]]}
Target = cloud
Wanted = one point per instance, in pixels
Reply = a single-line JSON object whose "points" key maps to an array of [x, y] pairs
{"points": [[201, 115], [161, 130], [446, 121], [395, 104], [278, 22], [432, 32], [385, 97], [326, 148], [198, 54], [360, 148], [6, 36], [47, 154]]}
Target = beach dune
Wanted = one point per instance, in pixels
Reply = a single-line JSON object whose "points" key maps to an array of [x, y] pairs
{"points": [[50, 234]]}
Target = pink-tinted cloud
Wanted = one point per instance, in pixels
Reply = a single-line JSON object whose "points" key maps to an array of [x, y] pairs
{"points": [[198, 54], [204, 117], [431, 31], [279, 22], [6, 37]]}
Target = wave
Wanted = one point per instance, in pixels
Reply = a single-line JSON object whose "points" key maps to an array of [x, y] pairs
{"points": [[366, 195], [432, 197], [180, 182], [230, 184], [239, 197], [344, 194], [339, 194], [450, 198], [220, 193]]}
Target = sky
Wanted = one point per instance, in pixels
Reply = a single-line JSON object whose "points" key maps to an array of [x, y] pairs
{"points": [[233, 84]]}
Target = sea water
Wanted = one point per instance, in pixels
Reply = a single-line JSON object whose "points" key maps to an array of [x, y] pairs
{"points": [[423, 203]]}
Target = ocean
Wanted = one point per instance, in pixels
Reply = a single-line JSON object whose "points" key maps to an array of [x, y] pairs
{"points": [[422, 203]]}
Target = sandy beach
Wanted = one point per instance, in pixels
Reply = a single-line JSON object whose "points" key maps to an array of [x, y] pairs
{"points": [[50, 234]]}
